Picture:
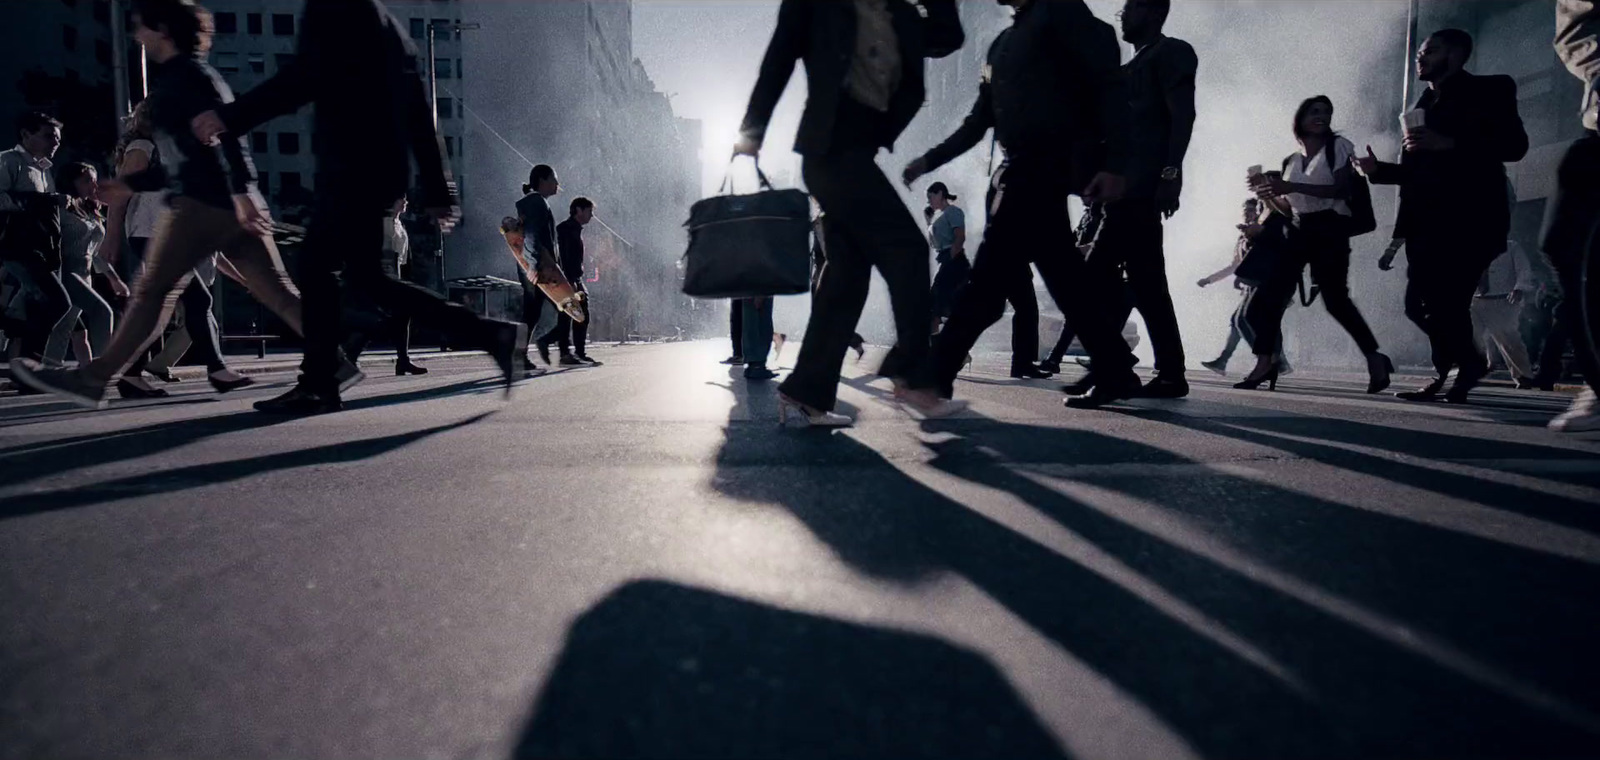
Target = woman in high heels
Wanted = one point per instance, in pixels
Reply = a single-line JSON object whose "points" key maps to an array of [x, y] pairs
{"points": [[1314, 190]]}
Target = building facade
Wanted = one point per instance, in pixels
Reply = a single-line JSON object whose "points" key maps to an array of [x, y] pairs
{"points": [[56, 56]]}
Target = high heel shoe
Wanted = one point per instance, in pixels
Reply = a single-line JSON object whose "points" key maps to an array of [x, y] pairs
{"points": [[1379, 368], [1254, 381], [812, 417]]}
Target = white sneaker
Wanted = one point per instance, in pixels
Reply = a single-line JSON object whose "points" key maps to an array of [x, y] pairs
{"points": [[1582, 417]]}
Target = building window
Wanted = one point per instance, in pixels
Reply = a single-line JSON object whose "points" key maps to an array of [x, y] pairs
{"points": [[461, 109], [442, 68], [257, 62], [102, 11], [447, 108], [69, 37], [289, 143], [288, 182], [102, 52], [283, 60], [419, 28], [283, 24], [225, 22], [258, 142], [252, 23], [226, 63], [70, 3], [450, 146], [459, 70]]}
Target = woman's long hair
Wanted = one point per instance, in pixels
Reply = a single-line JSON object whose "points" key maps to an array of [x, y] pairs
{"points": [[67, 179], [536, 175], [1305, 108], [135, 126]]}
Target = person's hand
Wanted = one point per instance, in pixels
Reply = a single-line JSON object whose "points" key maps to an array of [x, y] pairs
{"points": [[1423, 139], [1366, 165], [446, 216], [1168, 194], [114, 191], [1515, 297], [119, 288], [252, 213], [747, 146], [1270, 185], [1105, 188], [914, 171], [207, 127]]}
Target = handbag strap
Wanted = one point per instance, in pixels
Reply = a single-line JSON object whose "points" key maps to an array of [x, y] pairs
{"points": [[727, 176]]}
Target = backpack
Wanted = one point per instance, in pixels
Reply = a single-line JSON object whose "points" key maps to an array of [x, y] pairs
{"points": [[1362, 219]]}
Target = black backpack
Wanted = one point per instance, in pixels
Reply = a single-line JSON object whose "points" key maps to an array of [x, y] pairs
{"points": [[1362, 219]]}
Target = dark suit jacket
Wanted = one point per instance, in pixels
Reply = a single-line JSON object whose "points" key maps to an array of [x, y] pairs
{"points": [[372, 114], [823, 34], [1456, 199]]}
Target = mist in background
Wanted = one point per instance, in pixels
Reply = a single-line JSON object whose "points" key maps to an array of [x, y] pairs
{"points": [[1258, 60]]}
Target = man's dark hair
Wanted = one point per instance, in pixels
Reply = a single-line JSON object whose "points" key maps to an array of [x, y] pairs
{"points": [[33, 121], [1456, 40], [538, 174], [1162, 8], [579, 204], [189, 25], [1305, 107]]}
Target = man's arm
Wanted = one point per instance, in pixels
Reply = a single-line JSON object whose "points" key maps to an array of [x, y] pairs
{"points": [[1177, 75], [291, 88], [977, 124], [8, 174], [942, 28], [1498, 132], [787, 46]]}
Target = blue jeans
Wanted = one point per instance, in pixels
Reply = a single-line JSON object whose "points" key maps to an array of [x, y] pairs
{"points": [[757, 339]]}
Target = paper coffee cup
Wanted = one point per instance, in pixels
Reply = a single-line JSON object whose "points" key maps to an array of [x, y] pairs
{"points": [[1254, 171]]}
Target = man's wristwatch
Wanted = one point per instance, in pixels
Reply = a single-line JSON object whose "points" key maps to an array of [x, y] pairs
{"points": [[1170, 173]]}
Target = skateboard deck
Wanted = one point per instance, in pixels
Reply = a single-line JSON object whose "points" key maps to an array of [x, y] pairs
{"points": [[548, 275]]}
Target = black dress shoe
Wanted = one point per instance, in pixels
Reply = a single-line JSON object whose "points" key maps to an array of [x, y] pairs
{"points": [[1166, 386], [300, 401], [231, 381], [1081, 387], [1429, 392], [1053, 366], [758, 373], [1466, 379], [407, 368], [1106, 393], [1030, 372], [138, 389]]}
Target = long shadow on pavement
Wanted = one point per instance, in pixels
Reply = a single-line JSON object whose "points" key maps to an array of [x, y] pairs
{"points": [[199, 476], [1372, 696], [663, 670], [30, 462]]}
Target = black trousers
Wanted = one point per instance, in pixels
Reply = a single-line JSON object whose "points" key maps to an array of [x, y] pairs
{"points": [[1326, 250], [1131, 238], [736, 324], [1024, 322], [567, 334], [1068, 333], [47, 302], [1570, 238], [868, 225], [1441, 277], [348, 238], [1027, 228]]}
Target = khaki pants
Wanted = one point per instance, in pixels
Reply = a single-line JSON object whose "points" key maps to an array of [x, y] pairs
{"points": [[188, 232], [1494, 320]]}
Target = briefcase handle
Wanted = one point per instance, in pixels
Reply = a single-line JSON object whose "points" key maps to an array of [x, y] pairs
{"points": [[727, 176]]}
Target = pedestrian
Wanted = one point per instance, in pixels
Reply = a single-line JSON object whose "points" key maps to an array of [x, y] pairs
{"points": [[1317, 190], [736, 331], [134, 221], [396, 263], [758, 337], [371, 119], [539, 251], [947, 231], [83, 229], [1453, 218], [1053, 92], [569, 242], [864, 79], [1161, 90], [213, 205], [1569, 237], [199, 332], [1238, 326], [1511, 281], [30, 250]]}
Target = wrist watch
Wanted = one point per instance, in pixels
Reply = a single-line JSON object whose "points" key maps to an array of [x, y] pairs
{"points": [[1170, 173]]}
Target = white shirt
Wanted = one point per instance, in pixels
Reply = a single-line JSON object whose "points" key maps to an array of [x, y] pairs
{"points": [[1318, 172], [80, 240], [21, 172], [145, 208], [395, 239]]}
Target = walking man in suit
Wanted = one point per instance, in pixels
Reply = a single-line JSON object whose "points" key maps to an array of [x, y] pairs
{"points": [[1453, 217]]}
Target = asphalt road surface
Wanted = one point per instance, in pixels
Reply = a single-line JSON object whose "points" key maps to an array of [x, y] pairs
{"points": [[634, 560]]}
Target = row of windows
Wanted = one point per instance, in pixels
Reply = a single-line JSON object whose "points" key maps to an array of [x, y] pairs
{"points": [[69, 41], [419, 29], [228, 23], [102, 9], [255, 63]]}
